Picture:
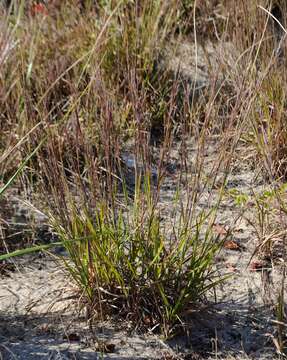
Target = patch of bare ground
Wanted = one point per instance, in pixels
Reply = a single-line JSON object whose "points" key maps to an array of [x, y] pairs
{"points": [[41, 317]]}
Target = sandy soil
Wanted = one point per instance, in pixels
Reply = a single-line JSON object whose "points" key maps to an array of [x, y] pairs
{"points": [[40, 316]]}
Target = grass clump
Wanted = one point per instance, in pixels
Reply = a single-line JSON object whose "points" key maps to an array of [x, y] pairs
{"points": [[132, 269]]}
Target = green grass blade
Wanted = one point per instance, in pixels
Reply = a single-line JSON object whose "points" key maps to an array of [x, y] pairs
{"points": [[29, 250]]}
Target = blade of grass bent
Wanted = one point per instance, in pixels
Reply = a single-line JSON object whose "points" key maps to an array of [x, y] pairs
{"points": [[18, 171]]}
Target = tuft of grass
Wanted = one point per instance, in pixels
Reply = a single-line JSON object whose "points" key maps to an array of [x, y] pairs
{"points": [[129, 267]]}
